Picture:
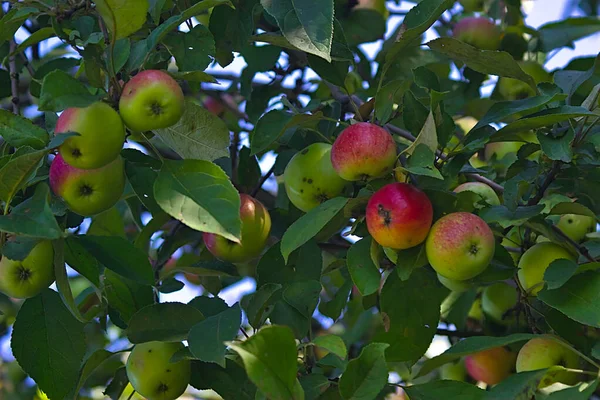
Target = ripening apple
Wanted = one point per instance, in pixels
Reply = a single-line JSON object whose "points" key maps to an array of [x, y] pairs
{"points": [[153, 376], [460, 246], [455, 286], [535, 261], [498, 300], [540, 353], [363, 151], [399, 216], [310, 179], [453, 371], [151, 100], [213, 106], [484, 191], [88, 191], [514, 89], [27, 278], [576, 226], [479, 32], [491, 366], [470, 6], [101, 135], [256, 227]]}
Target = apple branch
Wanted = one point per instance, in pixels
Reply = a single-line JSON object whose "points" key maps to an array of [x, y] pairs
{"points": [[14, 76]]}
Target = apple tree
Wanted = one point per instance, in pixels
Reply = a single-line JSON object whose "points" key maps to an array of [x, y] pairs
{"points": [[297, 199]]}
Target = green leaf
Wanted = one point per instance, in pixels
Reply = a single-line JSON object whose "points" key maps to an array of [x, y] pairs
{"points": [[582, 391], [303, 296], [566, 31], [307, 226], [557, 148], [107, 223], [207, 338], [193, 76], [445, 389], [427, 136], [117, 385], [199, 194], [332, 343], [270, 360], [506, 217], [15, 174], [141, 174], [166, 322], [62, 280], [82, 261], [230, 382], [363, 270], [366, 375], [543, 118], [126, 297], [559, 272], [334, 72], [258, 305], [49, 343], [18, 131], [569, 207], [19, 247], [363, 25], [517, 386], [209, 306], [122, 17], [60, 91], [198, 135], [192, 50], [304, 24], [314, 385], [92, 364], [268, 129], [421, 162]]}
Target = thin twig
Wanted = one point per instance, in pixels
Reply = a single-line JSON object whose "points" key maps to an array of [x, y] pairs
{"points": [[262, 181], [14, 77], [545, 184], [459, 334], [581, 249]]}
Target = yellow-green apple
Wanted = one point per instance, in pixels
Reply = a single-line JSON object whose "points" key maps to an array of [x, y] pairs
{"points": [[535, 261], [151, 100], [26, 278], [153, 375], [576, 226], [501, 149], [101, 135], [460, 246], [453, 371], [256, 226], [455, 286], [540, 353], [476, 310], [498, 300], [399, 216], [514, 89], [310, 179], [484, 191], [479, 32], [491, 366], [472, 5], [88, 191], [363, 151]]}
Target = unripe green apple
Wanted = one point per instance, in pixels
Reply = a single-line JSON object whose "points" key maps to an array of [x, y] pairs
{"points": [[491, 366], [535, 261], [151, 100], [399, 216], [470, 6], [460, 246], [576, 226], [256, 226], [484, 191], [455, 286], [101, 135], [310, 179], [27, 278], [476, 310], [497, 300], [514, 89], [363, 151], [501, 149], [153, 376], [88, 191], [454, 371], [479, 32], [540, 353]]}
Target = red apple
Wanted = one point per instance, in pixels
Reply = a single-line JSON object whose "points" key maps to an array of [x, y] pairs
{"points": [[491, 366], [213, 106], [479, 32]]}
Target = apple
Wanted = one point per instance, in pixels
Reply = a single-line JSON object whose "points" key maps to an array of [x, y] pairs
{"points": [[535, 261], [501, 149], [27, 278], [310, 179], [153, 376], [540, 353], [514, 238], [497, 300], [256, 226], [377, 5], [490, 366], [399, 173], [399, 216], [363, 151], [576, 226], [479, 32], [476, 310], [484, 191], [453, 371], [101, 135], [88, 191], [470, 6], [460, 246], [214, 106], [455, 286], [151, 100], [514, 89]]}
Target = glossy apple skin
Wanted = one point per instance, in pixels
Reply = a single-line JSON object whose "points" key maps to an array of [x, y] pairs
{"points": [[479, 32], [363, 151], [490, 366], [399, 216], [472, 5], [480, 188], [310, 179], [151, 100], [153, 376], [497, 300], [576, 226], [514, 89], [535, 261], [460, 246], [540, 353], [88, 191], [101, 135], [256, 226], [37, 268]]}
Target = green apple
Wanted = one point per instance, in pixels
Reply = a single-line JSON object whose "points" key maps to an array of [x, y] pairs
{"points": [[576, 226], [485, 192], [479, 32], [497, 300], [535, 261], [491, 366], [455, 286], [27, 278], [514, 89], [88, 191], [101, 135], [540, 353], [454, 371], [256, 227], [153, 375], [514, 238], [310, 179], [151, 100], [476, 310], [470, 6]]}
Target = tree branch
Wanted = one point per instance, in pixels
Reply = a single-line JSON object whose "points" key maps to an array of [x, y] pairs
{"points": [[14, 76], [459, 334], [262, 181], [545, 184]]}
